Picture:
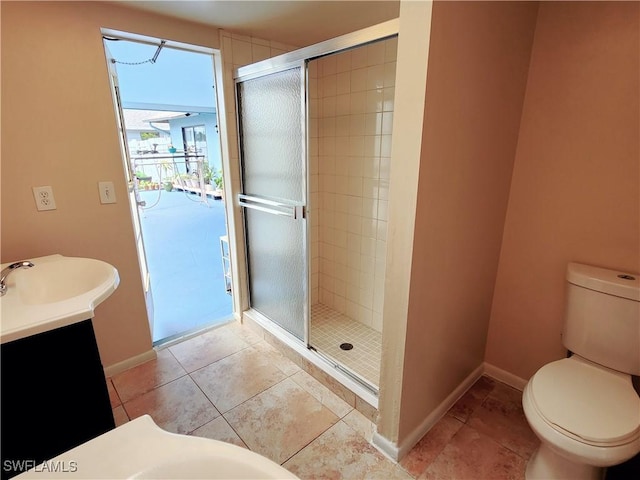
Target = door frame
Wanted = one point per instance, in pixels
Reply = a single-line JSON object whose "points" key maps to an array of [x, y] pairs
{"points": [[131, 186], [223, 145]]}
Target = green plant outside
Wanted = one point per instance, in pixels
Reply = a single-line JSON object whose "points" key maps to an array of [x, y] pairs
{"points": [[211, 175]]}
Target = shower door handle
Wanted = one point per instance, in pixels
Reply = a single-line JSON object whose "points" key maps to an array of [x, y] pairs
{"points": [[275, 207]]}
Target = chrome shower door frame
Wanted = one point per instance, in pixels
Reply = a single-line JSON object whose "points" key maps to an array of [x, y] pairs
{"points": [[281, 207], [301, 57]]}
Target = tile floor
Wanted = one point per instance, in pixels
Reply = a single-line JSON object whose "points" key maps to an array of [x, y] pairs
{"points": [[330, 328], [231, 385]]}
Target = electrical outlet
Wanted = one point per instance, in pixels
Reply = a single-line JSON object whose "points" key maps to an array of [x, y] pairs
{"points": [[107, 192], [44, 198]]}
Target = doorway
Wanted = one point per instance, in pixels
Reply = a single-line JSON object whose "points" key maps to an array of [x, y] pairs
{"points": [[166, 102], [325, 114]]}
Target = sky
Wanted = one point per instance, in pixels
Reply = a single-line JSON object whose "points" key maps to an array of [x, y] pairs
{"points": [[176, 78]]}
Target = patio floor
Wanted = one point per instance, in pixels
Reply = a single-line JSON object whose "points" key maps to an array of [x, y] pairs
{"points": [[182, 243]]}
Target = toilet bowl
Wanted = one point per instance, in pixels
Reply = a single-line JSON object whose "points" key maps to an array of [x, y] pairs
{"points": [[584, 408], [586, 416]]}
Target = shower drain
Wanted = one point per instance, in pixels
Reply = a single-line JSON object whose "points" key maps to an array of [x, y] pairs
{"points": [[346, 346]]}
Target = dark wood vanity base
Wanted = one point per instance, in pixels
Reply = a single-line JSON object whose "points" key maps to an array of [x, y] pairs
{"points": [[54, 396]]}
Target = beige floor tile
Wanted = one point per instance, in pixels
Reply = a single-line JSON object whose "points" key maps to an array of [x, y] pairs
{"points": [[341, 453], [247, 333], [237, 378], [322, 393], [502, 418], [275, 408], [219, 429], [147, 376], [286, 365], [472, 399], [211, 346], [120, 416], [280, 421], [430, 446], [113, 395], [178, 407], [360, 424], [473, 455]]}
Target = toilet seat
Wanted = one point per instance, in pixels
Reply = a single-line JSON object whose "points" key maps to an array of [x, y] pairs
{"points": [[587, 402]]}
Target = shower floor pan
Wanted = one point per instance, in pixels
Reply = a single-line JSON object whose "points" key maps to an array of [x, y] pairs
{"points": [[330, 329]]}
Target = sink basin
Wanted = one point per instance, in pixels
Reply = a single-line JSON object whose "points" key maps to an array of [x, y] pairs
{"points": [[56, 292], [140, 449]]}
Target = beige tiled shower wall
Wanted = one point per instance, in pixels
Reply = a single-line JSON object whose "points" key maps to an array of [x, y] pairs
{"points": [[351, 115], [314, 180]]}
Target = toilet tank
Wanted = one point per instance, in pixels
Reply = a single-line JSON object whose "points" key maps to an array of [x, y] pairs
{"points": [[602, 317]]}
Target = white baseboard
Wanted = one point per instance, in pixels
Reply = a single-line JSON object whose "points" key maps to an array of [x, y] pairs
{"points": [[398, 451], [504, 376], [119, 367], [386, 446]]}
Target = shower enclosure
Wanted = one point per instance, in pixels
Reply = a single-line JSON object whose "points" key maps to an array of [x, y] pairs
{"points": [[315, 130]]}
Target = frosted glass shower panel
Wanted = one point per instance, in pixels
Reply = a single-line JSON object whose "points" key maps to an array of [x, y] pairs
{"points": [[277, 269], [272, 152], [272, 135]]}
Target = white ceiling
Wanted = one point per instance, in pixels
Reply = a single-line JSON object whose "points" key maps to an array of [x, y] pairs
{"points": [[298, 23]]}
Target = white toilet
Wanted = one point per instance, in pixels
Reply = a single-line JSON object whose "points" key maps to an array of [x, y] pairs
{"points": [[584, 408]]}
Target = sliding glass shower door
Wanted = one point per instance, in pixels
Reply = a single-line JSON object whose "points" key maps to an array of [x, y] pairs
{"points": [[272, 129]]}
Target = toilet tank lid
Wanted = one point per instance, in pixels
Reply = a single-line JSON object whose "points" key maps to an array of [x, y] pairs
{"points": [[613, 282]]}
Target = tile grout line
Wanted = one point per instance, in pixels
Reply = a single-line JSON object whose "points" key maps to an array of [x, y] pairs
{"points": [[312, 440]]}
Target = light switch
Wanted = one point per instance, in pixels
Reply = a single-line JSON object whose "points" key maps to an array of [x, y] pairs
{"points": [[107, 192]]}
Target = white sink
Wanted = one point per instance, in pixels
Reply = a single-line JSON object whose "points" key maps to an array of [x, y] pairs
{"points": [[140, 449], [55, 292]]}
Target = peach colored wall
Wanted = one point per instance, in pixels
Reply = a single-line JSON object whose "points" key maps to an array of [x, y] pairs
{"points": [[414, 26], [59, 129], [575, 193], [477, 72]]}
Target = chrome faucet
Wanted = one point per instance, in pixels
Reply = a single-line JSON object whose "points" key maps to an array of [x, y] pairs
{"points": [[6, 271]]}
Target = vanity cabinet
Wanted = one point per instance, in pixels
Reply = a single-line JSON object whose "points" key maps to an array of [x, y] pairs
{"points": [[54, 395]]}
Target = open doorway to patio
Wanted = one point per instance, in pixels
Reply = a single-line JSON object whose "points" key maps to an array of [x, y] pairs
{"points": [[166, 102]]}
